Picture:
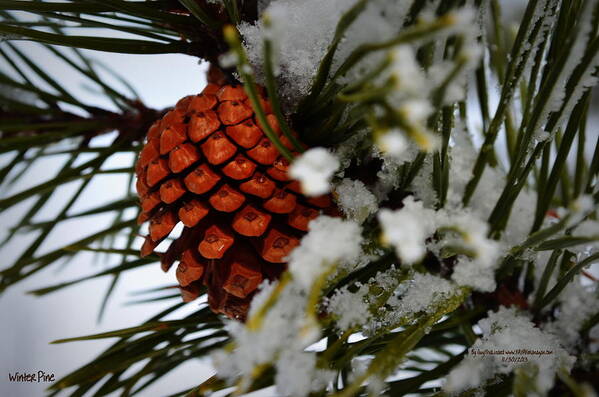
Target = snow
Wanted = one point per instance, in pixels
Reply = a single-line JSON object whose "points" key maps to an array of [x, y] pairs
{"points": [[392, 143], [416, 111], [477, 272], [580, 208], [278, 342], [294, 372], [350, 309], [289, 325], [587, 228], [462, 153], [577, 304], [266, 289], [314, 169], [407, 229], [509, 341], [355, 200], [301, 33], [388, 176], [558, 97], [329, 241], [409, 76], [262, 4], [304, 31], [470, 273], [423, 293], [361, 308], [390, 298], [422, 185]]}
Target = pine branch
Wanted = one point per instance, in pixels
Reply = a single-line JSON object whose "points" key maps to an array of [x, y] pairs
{"points": [[415, 315]]}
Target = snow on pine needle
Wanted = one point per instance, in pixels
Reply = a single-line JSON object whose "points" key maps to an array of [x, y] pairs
{"points": [[355, 200], [467, 214], [282, 320], [302, 31]]}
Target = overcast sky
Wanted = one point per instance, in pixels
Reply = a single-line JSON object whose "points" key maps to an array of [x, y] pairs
{"points": [[27, 323]]}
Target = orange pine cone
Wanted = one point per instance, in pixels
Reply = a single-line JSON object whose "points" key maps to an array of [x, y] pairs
{"points": [[208, 165]]}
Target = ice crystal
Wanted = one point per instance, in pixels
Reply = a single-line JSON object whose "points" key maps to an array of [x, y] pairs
{"points": [[350, 308], [390, 298], [355, 200], [422, 294]]}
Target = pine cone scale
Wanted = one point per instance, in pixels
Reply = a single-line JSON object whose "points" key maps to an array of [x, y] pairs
{"points": [[208, 165]]}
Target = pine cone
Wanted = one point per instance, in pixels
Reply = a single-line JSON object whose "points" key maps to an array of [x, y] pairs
{"points": [[208, 165]]}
